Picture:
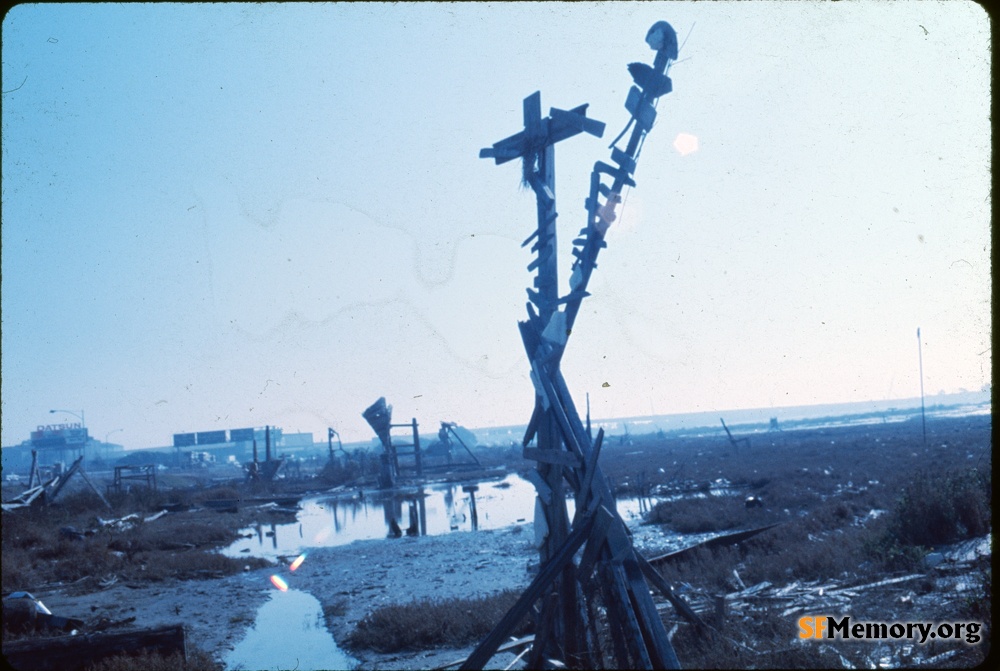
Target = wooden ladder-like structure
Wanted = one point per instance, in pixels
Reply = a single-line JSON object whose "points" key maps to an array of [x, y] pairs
{"points": [[609, 572], [379, 417]]}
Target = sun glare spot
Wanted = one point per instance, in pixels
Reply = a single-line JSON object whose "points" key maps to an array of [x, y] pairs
{"points": [[298, 561], [279, 583], [685, 144]]}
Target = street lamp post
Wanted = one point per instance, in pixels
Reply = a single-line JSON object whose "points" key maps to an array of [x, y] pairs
{"points": [[83, 423], [70, 412]]}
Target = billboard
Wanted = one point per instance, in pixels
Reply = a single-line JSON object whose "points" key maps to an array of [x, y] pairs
{"points": [[210, 437], [183, 439], [59, 435]]}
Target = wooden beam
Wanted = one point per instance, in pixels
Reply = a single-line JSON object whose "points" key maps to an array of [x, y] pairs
{"points": [[602, 522], [558, 457], [83, 475], [552, 568], [63, 479], [616, 625], [584, 495], [657, 643], [658, 581], [543, 632], [725, 539], [625, 613], [510, 645], [74, 653]]}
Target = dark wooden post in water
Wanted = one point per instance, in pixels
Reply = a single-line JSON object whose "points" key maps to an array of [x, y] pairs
{"points": [[609, 572]]}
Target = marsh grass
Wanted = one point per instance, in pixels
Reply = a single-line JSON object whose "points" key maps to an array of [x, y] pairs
{"points": [[196, 660], [174, 546], [428, 624]]}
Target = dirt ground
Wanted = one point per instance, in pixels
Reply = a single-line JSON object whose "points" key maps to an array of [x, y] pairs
{"points": [[353, 579], [350, 580], [797, 475]]}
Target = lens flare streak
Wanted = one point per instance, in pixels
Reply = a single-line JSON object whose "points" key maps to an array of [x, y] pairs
{"points": [[279, 583], [298, 562]]}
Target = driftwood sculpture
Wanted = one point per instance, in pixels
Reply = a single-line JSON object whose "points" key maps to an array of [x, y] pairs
{"points": [[379, 417], [594, 608]]}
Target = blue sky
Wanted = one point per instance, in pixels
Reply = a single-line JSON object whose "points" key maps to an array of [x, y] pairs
{"points": [[218, 216]]}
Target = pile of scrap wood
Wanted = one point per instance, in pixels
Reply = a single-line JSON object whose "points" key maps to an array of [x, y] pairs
{"points": [[73, 653], [48, 491], [835, 596], [799, 596], [23, 614]]}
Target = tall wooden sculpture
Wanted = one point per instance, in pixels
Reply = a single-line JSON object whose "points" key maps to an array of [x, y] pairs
{"points": [[599, 603]]}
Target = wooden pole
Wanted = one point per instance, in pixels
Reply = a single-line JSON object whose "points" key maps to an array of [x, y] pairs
{"points": [[920, 358]]}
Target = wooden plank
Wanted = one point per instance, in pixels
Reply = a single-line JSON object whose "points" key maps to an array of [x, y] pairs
{"points": [[543, 632], [573, 119], [658, 581], [83, 475], [584, 495], [33, 473], [532, 111], [558, 410], [510, 645], [618, 174], [725, 539], [573, 641], [74, 653], [616, 625], [51, 496], [558, 457], [626, 162], [660, 650], [602, 522], [634, 639], [552, 568], [592, 641], [536, 416]]}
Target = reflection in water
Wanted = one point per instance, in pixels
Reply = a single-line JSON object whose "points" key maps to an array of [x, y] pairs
{"points": [[439, 509], [473, 513], [289, 633]]}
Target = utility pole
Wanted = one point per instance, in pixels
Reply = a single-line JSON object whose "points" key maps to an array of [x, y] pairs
{"points": [[920, 358]]}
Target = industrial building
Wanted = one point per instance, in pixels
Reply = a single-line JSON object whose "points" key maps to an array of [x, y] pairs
{"points": [[59, 444]]}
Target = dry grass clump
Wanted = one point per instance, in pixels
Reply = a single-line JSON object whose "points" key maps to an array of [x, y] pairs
{"points": [[37, 552], [708, 513], [421, 625], [196, 660], [933, 509]]}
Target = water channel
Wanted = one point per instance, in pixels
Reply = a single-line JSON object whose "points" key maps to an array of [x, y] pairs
{"points": [[289, 631]]}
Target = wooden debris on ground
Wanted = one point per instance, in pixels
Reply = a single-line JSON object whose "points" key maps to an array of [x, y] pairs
{"points": [[73, 653]]}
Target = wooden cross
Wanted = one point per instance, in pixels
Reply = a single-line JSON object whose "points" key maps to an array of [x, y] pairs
{"points": [[535, 146]]}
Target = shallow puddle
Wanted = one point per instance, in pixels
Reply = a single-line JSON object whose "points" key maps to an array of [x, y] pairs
{"points": [[435, 509], [289, 633]]}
